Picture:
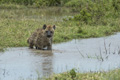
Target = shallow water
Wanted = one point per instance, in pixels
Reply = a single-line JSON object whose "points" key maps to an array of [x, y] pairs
{"points": [[94, 54]]}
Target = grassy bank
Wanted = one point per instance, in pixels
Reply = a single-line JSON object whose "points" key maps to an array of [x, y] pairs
{"points": [[72, 75], [16, 25]]}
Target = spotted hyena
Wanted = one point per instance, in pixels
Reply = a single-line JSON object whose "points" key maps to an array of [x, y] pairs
{"points": [[42, 38]]}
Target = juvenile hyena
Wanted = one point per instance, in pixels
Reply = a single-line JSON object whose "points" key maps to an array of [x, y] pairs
{"points": [[42, 38]]}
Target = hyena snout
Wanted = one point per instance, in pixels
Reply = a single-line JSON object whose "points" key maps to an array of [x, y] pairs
{"points": [[49, 34]]}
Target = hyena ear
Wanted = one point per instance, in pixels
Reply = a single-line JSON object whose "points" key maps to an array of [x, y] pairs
{"points": [[44, 26], [54, 27]]}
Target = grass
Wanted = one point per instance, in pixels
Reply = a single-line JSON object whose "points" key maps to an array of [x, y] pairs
{"points": [[72, 75], [16, 25], [11, 6]]}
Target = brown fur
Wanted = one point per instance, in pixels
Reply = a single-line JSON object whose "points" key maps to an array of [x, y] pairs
{"points": [[42, 38]]}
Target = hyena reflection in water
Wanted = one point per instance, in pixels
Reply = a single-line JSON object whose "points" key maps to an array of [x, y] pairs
{"points": [[42, 38]]}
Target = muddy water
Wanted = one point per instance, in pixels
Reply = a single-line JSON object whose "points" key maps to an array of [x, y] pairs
{"points": [[94, 54]]}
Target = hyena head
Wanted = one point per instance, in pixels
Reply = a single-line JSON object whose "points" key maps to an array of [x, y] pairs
{"points": [[49, 30]]}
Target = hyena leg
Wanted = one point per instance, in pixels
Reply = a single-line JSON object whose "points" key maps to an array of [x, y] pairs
{"points": [[36, 47], [49, 47], [31, 46], [40, 48]]}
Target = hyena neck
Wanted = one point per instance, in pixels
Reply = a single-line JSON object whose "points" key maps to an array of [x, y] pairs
{"points": [[49, 40]]}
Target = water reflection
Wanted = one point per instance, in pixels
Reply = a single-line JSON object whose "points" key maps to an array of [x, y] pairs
{"points": [[45, 65]]}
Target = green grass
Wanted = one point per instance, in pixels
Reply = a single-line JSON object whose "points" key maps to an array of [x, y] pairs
{"points": [[72, 75], [16, 25], [11, 6], [15, 32]]}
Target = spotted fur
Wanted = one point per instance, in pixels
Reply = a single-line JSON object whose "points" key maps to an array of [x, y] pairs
{"points": [[42, 38]]}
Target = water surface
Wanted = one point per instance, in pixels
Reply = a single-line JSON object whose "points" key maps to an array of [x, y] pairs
{"points": [[94, 54]]}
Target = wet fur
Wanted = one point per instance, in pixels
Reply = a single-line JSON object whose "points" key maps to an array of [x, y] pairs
{"points": [[39, 38]]}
